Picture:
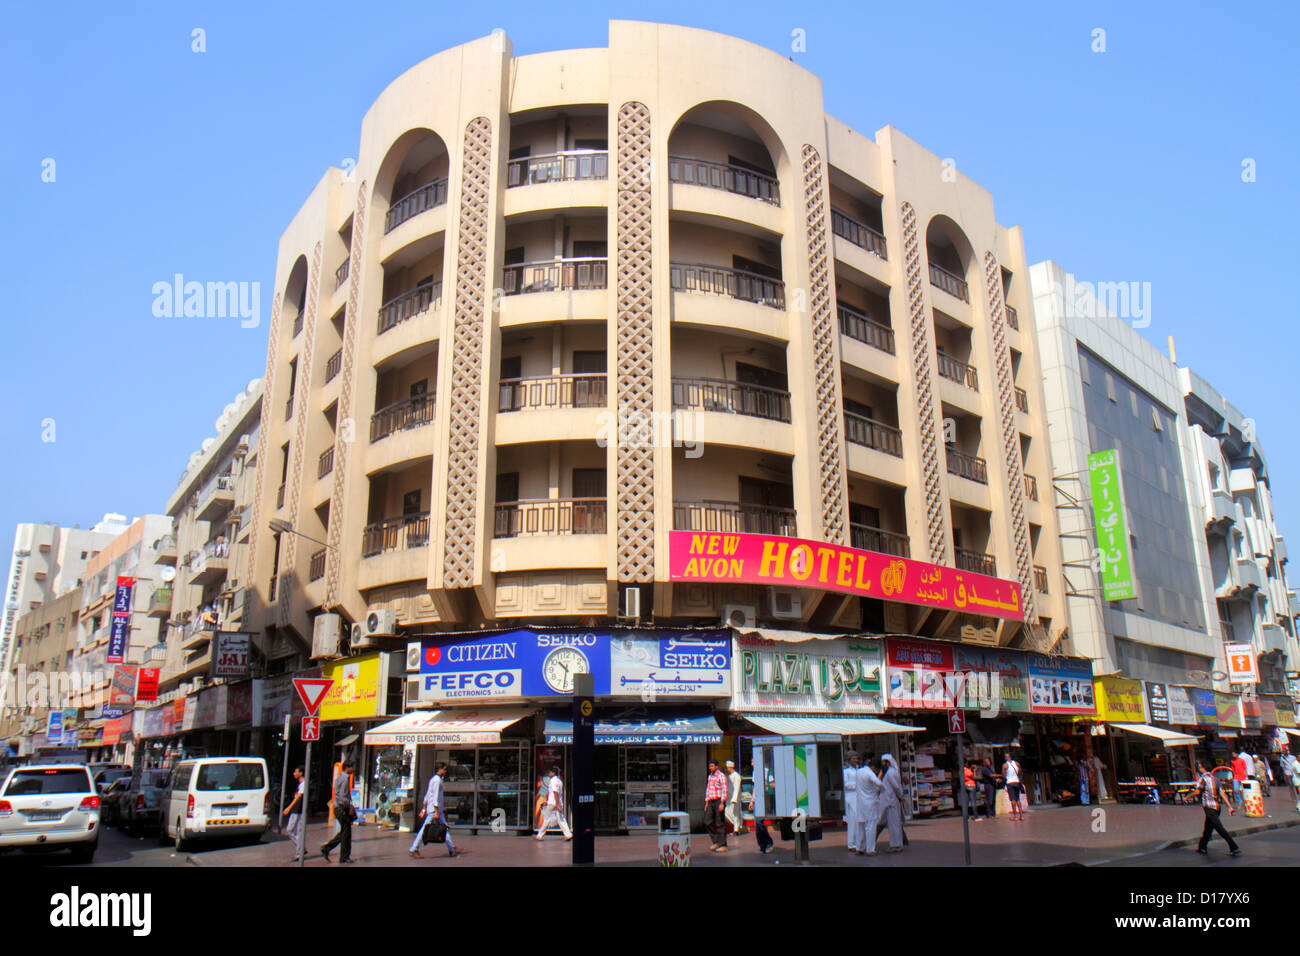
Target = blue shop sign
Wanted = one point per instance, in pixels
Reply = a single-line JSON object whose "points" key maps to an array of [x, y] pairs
{"points": [[528, 663]]}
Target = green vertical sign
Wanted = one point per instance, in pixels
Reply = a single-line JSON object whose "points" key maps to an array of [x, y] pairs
{"points": [[1112, 533]]}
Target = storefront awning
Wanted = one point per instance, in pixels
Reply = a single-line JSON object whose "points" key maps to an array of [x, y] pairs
{"points": [[1170, 738], [844, 726], [680, 726], [469, 725], [347, 741], [1292, 731], [788, 637]]}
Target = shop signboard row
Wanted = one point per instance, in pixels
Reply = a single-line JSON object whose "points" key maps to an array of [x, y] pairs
{"points": [[261, 703], [528, 663], [774, 560]]}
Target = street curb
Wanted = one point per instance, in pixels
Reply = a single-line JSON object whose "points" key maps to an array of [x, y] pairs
{"points": [[1179, 844]]}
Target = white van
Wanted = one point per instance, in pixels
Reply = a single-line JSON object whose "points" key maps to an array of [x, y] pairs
{"points": [[216, 796]]}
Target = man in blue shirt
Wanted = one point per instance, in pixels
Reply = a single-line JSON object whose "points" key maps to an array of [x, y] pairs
{"points": [[434, 809]]}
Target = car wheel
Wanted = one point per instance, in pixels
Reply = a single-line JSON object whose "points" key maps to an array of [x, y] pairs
{"points": [[84, 853]]}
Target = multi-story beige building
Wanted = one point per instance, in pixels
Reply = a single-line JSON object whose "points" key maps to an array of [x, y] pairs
{"points": [[44, 643], [530, 249], [207, 592]]}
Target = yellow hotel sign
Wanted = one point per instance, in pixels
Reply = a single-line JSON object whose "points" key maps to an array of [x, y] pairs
{"points": [[1119, 700]]}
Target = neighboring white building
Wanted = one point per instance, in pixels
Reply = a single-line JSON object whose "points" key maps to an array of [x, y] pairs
{"points": [[48, 561], [1107, 387], [1246, 549]]}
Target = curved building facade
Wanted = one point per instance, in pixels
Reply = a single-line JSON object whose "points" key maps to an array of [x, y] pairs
{"points": [[565, 304]]}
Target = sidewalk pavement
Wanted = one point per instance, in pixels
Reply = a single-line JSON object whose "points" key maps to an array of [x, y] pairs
{"points": [[1049, 836]]}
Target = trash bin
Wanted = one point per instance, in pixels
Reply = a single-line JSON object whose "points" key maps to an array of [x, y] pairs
{"points": [[674, 839], [1253, 797]]}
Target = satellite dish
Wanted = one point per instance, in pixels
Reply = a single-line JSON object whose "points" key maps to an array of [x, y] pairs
{"points": [[168, 574]]}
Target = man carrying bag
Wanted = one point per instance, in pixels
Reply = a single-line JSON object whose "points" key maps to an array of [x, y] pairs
{"points": [[344, 814], [434, 814]]}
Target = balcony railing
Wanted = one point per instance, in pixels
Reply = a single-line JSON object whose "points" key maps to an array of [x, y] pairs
{"points": [[326, 463], [333, 366], [1040, 580], [395, 534], [1013, 318], [554, 275], [967, 466], [418, 300], [1022, 400], [1031, 487], [690, 171], [976, 562], [580, 390], [317, 569], [860, 326], [415, 202], [958, 371], [866, 538], [738, 398], [341, 273], [953, 284], [733, 517], [873, 434], [399, 416], [858, 233], [718, 280], [566, 166], [550, 516]]}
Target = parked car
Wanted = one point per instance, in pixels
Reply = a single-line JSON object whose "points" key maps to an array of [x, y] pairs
{"points": [[217, 796], [110, 801], [49, 807], [103, 774], [140, 808]]}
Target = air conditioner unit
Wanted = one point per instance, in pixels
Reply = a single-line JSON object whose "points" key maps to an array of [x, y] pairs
{"points": [[381, 622], [357, 640], [787, 605], [739, 615], [629, 602], [244, 444], [413, 651], [325, 634], [412, 690]]}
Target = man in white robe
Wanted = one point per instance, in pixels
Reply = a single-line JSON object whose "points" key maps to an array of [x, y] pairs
{"points": [[851, 800], [892, 801], [869, 793]]}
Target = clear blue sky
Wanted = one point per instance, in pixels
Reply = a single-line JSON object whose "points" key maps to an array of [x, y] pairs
{"points": [[1121, 166]]}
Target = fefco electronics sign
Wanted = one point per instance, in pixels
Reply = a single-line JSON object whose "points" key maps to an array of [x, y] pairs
{"points": [[527, 663]]}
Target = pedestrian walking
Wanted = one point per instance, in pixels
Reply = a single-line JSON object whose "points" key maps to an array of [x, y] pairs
{"points": [[892, 800], [989, 781], [870, 791], [764, 838], [1262, 775], [851, 800], [345, 814], [968, 790], [1083, 783], [553, 814], [1241, 769], [715, 795], [1209, 790], [733, 814], [1294, 779], [1011, 773], [435, 808], [294, 811]]}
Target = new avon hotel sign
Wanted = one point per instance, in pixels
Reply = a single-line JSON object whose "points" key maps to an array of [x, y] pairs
{"points": [[715, 557]]}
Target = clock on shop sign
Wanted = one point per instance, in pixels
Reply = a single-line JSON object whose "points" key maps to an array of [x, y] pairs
{"points": [[561, 665]]}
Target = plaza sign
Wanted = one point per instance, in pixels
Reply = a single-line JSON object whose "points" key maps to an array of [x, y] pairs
{"points": [[839, 676]]}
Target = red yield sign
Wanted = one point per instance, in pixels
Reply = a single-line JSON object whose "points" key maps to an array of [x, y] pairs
{"points": [[312, 691]]}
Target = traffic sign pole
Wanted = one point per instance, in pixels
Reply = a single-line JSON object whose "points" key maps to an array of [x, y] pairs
{"points": [[306, 795]]}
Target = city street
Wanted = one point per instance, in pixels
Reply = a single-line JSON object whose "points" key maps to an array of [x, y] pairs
{"points": [[1124, 835]]}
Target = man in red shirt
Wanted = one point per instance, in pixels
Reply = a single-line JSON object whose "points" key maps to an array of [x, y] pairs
{"points": [[715, 795], [1239, 773]]}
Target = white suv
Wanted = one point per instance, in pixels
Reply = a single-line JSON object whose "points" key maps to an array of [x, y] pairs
{"points": [[50, 806]]}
